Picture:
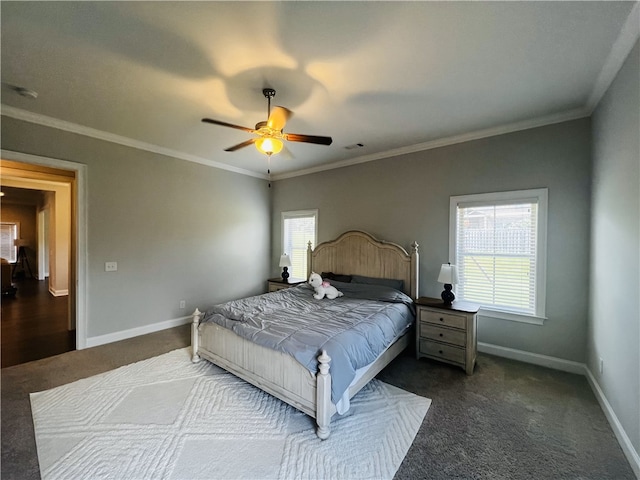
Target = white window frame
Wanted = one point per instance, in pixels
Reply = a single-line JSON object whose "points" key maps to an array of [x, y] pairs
{"points": [[539, 195], [297, 214]]}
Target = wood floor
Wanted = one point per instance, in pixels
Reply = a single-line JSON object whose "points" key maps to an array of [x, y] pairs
{"points": [[34, 324]]}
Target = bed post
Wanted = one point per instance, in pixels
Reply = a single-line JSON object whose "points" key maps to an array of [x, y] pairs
{"points": [[323, 396], [195, 358], [309, 266], [415, 264]]}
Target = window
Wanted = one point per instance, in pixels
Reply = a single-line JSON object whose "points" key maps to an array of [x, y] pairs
{"points": [[8, 236], [298, 229], [498, 242]]}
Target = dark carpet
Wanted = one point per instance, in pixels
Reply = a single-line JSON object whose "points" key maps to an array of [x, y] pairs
{"points": [[509, 420]]}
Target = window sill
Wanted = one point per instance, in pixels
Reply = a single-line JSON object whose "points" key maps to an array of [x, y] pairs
{"points": [[510, 316]]}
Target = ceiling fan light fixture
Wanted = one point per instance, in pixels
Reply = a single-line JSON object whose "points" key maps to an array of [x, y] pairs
{"points": [[269, 145]]}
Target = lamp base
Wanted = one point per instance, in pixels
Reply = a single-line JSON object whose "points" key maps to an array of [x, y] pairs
{"points": [[285, 274], [447, 295]]}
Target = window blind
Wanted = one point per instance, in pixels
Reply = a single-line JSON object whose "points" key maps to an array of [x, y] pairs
{"points": [[8, 235], [298, 231], [496, 254]]}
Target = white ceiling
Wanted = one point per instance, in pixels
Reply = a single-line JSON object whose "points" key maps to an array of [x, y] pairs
{"points": [[394, 76]]}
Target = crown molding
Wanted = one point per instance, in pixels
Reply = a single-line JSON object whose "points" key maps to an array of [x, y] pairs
{"points": [[619, 52], [443, 142], [46, 121]]}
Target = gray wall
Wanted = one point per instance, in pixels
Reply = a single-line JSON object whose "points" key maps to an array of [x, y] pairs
{"points": [[178, 230], [406, 198], [614, 320]]}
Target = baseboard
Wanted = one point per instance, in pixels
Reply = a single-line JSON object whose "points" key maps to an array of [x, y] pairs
{"points": [[135, 332], [58, 293], [534, 358], [618, 430], [581, 369]]}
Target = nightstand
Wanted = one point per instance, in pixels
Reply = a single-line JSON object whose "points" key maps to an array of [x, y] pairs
{"points": [[447, 333], [275, 284]]}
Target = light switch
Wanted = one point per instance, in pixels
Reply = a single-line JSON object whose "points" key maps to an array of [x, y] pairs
{"points": [[111, 266]]}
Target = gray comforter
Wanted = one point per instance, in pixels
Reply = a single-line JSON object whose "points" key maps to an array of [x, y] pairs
{"points": [[353, 329]]}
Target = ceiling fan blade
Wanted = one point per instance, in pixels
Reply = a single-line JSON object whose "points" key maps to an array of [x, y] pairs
{"points": [[278, 118], [240, 145], [225, 124], [298, 137]]}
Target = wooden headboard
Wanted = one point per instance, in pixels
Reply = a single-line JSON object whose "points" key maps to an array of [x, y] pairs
{"points": [[359, 253]]}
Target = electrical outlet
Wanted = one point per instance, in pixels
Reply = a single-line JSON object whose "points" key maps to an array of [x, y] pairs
{"points": [[601, 365], [183, 304], [111, 266]]}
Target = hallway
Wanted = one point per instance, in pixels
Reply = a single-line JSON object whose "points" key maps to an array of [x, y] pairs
{"points": [[34, 324]]}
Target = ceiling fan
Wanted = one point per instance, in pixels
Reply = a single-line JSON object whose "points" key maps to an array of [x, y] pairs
{"points": [[270, 136]]}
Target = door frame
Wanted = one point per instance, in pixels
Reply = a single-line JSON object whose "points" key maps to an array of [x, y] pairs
{"points": [[43, 244], [79, 235]]}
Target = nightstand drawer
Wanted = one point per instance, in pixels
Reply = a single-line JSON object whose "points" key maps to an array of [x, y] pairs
{"points": [[275, 284], [441, 318], [273, 287], [440, 350], [448, 335]]}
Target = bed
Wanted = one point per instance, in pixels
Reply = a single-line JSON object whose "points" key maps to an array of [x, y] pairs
{"points": [[309, 387]]}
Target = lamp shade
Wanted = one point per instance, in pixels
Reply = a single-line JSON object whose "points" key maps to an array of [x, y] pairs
{"points": [[285, 261], [269, 145], [448, 274]]}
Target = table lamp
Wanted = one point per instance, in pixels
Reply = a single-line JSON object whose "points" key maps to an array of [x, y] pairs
{"points": [[448, 276], [285, 263]]}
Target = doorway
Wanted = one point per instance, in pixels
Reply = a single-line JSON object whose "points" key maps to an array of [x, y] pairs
{"points": [[39, 314]]}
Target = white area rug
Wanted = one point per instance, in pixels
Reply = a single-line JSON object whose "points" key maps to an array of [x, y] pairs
{"points": [[166, 418]]}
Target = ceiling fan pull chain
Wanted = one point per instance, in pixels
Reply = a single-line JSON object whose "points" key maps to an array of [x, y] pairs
{"points": [[269, 168]]}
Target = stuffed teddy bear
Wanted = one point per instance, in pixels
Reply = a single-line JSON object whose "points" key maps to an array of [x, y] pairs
{"points": [[323, 288]]}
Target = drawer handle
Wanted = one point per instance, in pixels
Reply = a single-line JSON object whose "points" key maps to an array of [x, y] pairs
{"points": [[442, 334], [441, 319], [440, 352]]}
